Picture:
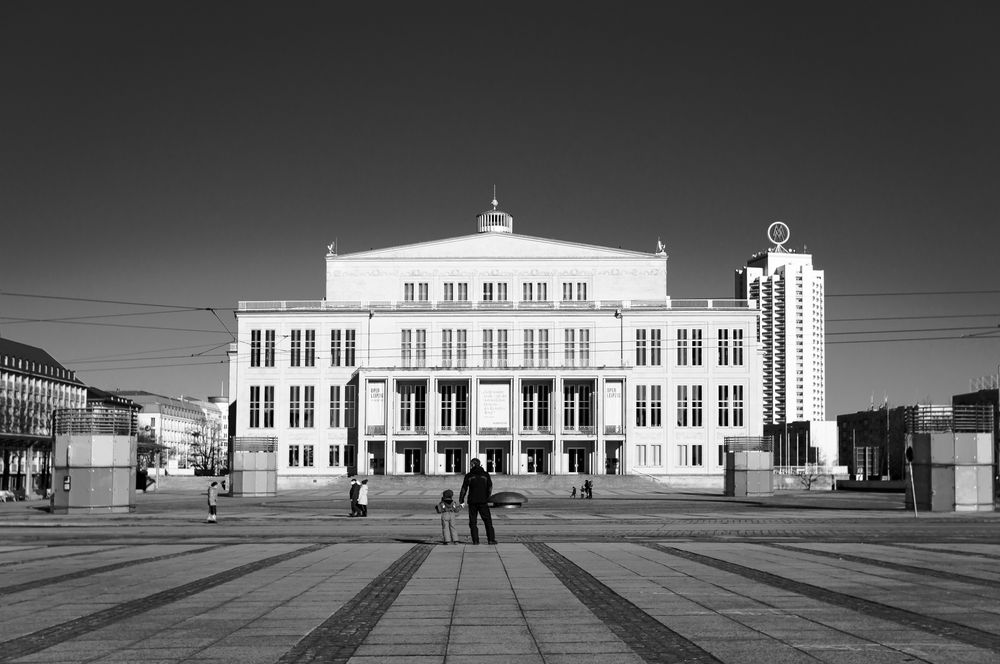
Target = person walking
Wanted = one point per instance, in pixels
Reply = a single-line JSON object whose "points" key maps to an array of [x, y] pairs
{"points": [[355, 490], [590, 488], [478, 487], [448, 509], [363, 498], [213, 500]]}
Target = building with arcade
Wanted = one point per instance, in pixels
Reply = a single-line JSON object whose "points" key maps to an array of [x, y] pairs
{"points": [[538, 356]]}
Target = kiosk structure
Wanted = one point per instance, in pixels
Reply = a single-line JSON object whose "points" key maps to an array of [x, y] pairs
{"points": [[94, 461]]}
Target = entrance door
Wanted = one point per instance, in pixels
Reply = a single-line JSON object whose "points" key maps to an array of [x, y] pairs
{"points": [[411, 460], [536, 460], [453, 461], [494, 460], [577, 460]]}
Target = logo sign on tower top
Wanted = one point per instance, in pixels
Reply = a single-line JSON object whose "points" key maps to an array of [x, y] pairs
{"points": [[778, 234]]}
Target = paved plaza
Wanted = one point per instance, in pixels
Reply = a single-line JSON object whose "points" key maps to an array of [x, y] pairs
{"points": [[631, 576]]}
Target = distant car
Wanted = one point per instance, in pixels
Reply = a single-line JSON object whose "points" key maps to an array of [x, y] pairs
{"points": [[6, 495]]}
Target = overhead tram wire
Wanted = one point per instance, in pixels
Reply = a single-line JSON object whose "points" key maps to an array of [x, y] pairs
{"points": [[908, 293], [101, 301]]}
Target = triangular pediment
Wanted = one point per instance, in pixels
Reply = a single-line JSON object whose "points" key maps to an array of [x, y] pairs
{"points": [[494, 245]]}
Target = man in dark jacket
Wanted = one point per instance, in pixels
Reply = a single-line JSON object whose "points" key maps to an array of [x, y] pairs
{"points": [[355, 492], [478, 487]]}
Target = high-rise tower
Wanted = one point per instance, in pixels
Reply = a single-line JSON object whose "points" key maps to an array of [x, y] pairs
{"points": [[792, 332]]}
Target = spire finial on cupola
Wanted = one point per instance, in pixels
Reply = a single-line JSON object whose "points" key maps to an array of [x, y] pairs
{"points": [[495, 203]]}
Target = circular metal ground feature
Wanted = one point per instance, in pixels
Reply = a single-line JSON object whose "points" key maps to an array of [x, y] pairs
{"points": [[507, 499]]}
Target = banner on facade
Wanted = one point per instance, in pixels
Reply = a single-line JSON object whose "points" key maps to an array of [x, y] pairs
{"points": [[494, 406], [613, 404], [375, 408]]}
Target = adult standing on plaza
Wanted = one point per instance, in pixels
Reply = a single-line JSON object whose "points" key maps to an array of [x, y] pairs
{"points": [[213, 501], [363, 498], [355, 491], [478, 487]]}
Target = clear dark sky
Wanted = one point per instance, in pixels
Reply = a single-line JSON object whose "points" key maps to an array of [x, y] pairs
{"points": [[200, 153]]}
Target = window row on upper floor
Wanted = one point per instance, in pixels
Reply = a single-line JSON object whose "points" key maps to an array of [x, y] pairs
{"points": [[499, 347], [500, 291]]}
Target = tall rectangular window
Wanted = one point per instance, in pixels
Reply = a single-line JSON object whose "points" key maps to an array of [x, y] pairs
{"points": [[269, 406], [683, 406], [423, 292], [529, 348], [406, 347], [657, 455], [254, 406], [294, 456], [421, 348], [454, 406], [412, 400], [310, 359], [408, 292], [462, 348], [569, 348], [268, 348], [737, 347], [723, 406], [696, 347], [351, 406], [577, 405], [309, 406], [296, 351], [640, 348], [640, 405], [254, 348], [527, 292], [723, 349], [655, 347], [501, 348], [350, 346], [656, 406], [543, 348], [502, 292], [463, 292], [487, 348], [535, 400], [336, 348], [567, 291], [447, 349], [584, 340], [738, 405], [307, 456], [335, 406], [333, 458], [294, 406], [581, 291], [682, 348], [487, 292], [640, 455], [449, 292], [456, 291]]}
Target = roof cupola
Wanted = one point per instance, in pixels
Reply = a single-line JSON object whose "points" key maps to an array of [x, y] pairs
{"points": [[495, 221]]}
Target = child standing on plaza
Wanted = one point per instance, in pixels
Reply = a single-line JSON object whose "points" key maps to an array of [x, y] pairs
{"points": [[448, 508], [213, 499]]}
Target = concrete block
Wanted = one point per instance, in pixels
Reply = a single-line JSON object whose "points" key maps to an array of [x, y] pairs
{"points": [[942, 447]]}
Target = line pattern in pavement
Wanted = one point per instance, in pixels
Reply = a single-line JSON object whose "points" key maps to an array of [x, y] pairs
{"points": [[79, 574], [50, 636], [930, 624], [886, 564], [7, 563], [337, 639], [653, 641]]}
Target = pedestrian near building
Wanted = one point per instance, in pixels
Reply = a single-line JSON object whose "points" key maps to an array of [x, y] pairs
{"points": [[589, 486], [448, 509], [355, 490], [363, 498], [478, 487], [213, 500]]}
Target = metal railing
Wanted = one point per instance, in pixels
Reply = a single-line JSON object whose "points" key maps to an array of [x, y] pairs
{"points": [[584, 430], [536, 430], [488, 305], [411, 431], [254, 444], [494, 431], [375, 430], [749, 443], [958, 419], [95, 421], [453, 431], [614, 429]]}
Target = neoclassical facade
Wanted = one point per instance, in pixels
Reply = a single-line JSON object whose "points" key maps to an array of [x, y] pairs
{"points": [[537, 356]]}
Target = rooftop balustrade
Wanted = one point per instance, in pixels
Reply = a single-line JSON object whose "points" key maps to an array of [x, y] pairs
{"points": [[492, 305]]}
